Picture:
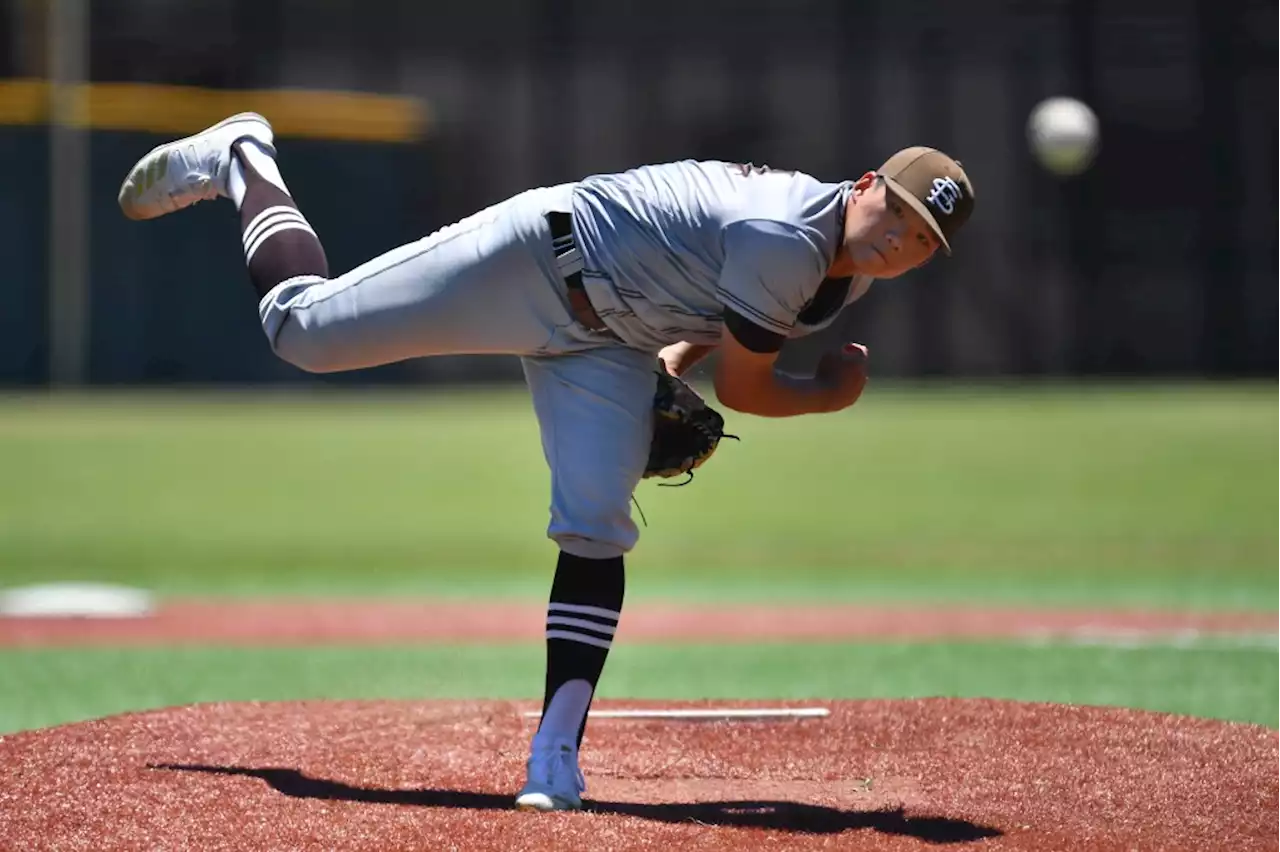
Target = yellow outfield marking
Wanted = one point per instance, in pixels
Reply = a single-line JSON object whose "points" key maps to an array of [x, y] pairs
{"points": [[23, 102], [180, 110]]}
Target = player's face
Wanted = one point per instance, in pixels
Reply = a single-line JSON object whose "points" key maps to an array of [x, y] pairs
{"points": [[884, 237]]}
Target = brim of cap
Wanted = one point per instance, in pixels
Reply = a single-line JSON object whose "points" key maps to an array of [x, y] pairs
{"points": [[917, 205]]}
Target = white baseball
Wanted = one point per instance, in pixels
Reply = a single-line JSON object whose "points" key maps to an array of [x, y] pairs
{"points": [[1063, 134]]}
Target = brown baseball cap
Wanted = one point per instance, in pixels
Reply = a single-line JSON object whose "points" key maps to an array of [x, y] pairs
{"points": [[934, 185]]}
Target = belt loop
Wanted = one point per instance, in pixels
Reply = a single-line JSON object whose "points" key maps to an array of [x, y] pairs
{"points": [[568, 257], [570, 263]]}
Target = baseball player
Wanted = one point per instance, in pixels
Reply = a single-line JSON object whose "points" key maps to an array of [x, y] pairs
{"points": [[598, 286]]}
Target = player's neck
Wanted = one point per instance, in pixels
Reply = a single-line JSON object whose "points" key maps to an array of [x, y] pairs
{"points": [[843, 265]]}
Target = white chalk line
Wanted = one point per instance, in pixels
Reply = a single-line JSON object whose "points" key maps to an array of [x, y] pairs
{"points": [[1133, 639]]}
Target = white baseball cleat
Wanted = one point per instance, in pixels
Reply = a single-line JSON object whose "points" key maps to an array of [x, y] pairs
{"points": [[187, 171], [555, 782]]}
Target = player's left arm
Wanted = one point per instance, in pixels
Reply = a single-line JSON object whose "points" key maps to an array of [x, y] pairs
{"points": [[681, 357]]}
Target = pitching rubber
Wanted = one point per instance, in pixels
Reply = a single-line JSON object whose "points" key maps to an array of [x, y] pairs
{"points": [[713, 714]]}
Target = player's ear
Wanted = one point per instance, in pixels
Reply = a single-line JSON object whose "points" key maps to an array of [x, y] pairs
{"points": [[864, 183]]}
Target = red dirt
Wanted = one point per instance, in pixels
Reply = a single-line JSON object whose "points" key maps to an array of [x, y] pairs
{"points": [[875, 775], [373, 621]]}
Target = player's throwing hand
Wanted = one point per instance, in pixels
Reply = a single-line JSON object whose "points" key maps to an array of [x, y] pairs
{"points": [[843, 375]]}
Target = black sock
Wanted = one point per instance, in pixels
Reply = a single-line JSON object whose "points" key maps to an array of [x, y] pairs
{"points": [[279, 244], [582, 615]]}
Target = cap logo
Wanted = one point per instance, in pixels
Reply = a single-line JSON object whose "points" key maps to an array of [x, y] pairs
{"points": [[946, 192]]}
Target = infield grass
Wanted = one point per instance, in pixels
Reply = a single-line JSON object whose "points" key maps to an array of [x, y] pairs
{"points": [[51, 686], [1155, 496]]}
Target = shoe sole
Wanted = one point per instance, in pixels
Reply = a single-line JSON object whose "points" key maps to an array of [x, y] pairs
{"points": [[542, 803], [135, 174]]}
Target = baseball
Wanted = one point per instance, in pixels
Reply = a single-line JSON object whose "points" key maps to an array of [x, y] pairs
{"points": [[1063, 134]]}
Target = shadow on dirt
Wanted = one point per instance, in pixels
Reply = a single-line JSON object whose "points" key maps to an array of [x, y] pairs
{"points": [[779, 816]]}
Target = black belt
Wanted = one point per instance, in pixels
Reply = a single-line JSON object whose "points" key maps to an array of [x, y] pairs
{"points": [[564, 242]]}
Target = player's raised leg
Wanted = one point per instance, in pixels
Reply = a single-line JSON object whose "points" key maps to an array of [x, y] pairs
{"points": [[594, 412], [488, 284]]}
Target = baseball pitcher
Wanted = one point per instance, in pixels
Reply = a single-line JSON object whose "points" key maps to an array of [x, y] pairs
{"points": [[608, 289]]}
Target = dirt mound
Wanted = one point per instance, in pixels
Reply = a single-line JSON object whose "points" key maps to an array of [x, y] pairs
{"points": [[872, 775]]}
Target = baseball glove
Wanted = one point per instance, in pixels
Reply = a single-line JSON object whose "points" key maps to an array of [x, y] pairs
{"points": [[686, 431]]}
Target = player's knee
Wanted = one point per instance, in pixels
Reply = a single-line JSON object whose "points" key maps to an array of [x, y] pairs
{"points": [[303, 350], [594, 535], [295, 338]]}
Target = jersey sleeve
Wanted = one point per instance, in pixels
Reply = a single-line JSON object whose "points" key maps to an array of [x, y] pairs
{"points": [[770, 272]]}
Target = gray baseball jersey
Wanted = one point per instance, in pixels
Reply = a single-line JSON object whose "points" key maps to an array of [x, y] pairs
{"points": [[667, 247]]}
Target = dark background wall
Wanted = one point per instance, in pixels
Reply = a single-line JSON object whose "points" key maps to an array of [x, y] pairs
{"points": [[1161, 260]]}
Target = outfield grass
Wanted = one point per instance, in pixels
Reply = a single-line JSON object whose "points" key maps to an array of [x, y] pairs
{"points": [[52, 686], [1162, 496], [1143, 496]]}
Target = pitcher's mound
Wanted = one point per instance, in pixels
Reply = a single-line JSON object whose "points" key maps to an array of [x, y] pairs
{"points": [[441, 775]]}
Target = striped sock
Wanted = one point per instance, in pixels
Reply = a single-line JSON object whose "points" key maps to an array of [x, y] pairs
{"points": [[590, 625], [279, 243], [268, 223], [582, 616]]}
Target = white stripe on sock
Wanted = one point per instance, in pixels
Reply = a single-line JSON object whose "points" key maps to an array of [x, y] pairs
{"points": [[579, 637], [596, 626], [581, 609], [265, 214], [268, 217], [251, 242], [272, 231]]}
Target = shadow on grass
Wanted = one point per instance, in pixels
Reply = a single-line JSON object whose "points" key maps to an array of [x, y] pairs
{"points": [[779, 816]]}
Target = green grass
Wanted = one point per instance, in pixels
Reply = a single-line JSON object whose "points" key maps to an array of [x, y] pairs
{"points": [[52, 686], [1160, 496], [1150, 496]]}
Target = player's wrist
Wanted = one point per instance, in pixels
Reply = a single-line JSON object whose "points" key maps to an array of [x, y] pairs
{"points": [[679, 358], [787, 395]]}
